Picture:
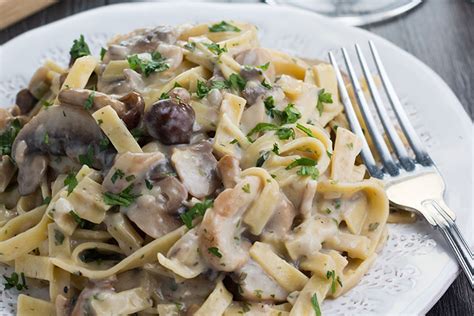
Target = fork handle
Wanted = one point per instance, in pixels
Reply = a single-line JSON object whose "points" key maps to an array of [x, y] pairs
{"points": [[453, 236]]}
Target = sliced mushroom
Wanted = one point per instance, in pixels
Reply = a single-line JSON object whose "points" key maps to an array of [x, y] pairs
{"points": [[282, 219], [146, 40], [25, 101], [70, 131], [133, 166], [220, 242], [229, 170], [256, 285], [180, 94], [129, 107], [155, 211], [197, 168], [253, 90], [115, 52], [172, 53], [7, 171], [83, 302], [256, 57], [5, 119]]}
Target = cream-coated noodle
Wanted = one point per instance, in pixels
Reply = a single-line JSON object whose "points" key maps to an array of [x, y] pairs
{"points": [[185, 171]]}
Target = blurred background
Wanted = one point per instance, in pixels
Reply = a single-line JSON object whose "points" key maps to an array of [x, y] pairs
{"points": [[438, 32]]}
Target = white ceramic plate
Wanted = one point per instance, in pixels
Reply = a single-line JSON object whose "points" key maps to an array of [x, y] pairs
{"points": [[415, 267]]}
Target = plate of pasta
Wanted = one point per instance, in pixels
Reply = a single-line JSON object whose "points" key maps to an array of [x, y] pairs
{"points": [[156, 162]]}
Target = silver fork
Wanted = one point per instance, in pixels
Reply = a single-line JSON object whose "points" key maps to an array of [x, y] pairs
{"points": [[412, 184]]}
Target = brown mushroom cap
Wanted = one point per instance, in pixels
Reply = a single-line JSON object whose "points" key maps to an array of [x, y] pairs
{"points": [[70, 131]]}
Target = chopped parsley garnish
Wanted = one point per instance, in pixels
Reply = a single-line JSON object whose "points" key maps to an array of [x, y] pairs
{"points": [[323, 97], [124, 198], [301, 162], [70, 182], [104, 143], [373, 226], [46, 139], [81, 222], [103, 51], [284, 133], [148, 184], [215, 48], [269, 104], [236, 82], [202, 90], [337, 203], [46, 103], [289, 115], [118, 174], [198, 209], [147, 67], [334, 279], [164, 96], [329, 153], [276, 149], [246, 188], [350, 146], [258, 293], [328, 211], [264, 66], [15, 281], [214, 251], [266, 85], [308, 171], [234, 141], [281, 132], [88, 158], [223, 27], [8, 137], [89, 101], [46, 200], [315, 304], [130, 178], [261, 160], [191, 46], [79, 48], [305, 130], [58, 237], [219, 84]]}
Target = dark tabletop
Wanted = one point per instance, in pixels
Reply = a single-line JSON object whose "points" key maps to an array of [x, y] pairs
{"points": [[439, 32]]}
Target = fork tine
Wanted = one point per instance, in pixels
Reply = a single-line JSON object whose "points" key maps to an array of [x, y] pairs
{"points": [[395, 140], [366, 154], [377, 138], [420, 152]]}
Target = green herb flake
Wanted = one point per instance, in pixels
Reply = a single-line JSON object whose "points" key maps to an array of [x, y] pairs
{"points": [[261, 160], [103, 51], [130, 178], [305, 130], [276, 149], [8, 137], [373, 226], [337, 203], [89, 101], [15, 281], [246, 188], [266, 85], [329, 154], [315, 304], [201, 89], [88, 158], [301, 162], [332, 275], [70, 182], [264, 67], [289, 115], [258, 293], [147, 67], [148, 184], [79, 48], [214, 251], [215, 48], [323, 97], [350, 146], [234, 141], [58, 237], [124, 198], [309, 171], [46, 200], [104, 144], [223, 26], [269, 104], [118, 174], [46, 139], [46, 103], [191, 46], [198, 209], [81, 222], [285, 133], [328, 211], [236, 82]]}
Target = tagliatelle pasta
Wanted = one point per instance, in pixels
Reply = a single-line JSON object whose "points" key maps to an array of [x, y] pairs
{"points": [[185, 171]]}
